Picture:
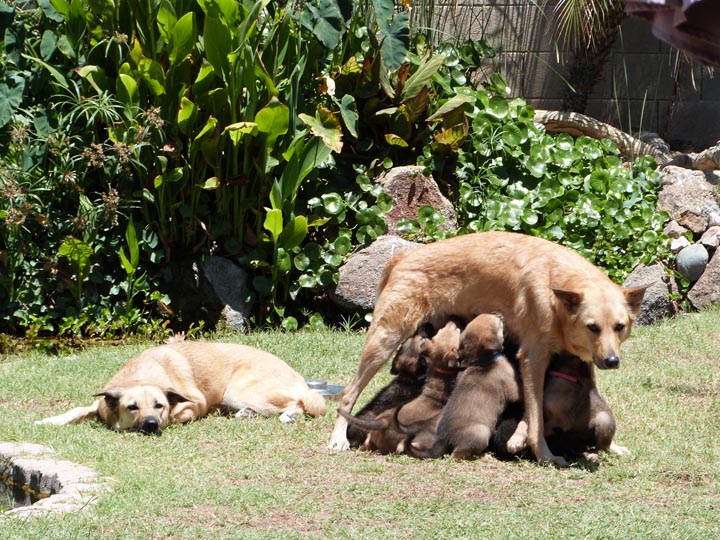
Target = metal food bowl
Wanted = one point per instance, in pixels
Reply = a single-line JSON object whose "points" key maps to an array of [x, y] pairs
{"points": [[332, 392]]}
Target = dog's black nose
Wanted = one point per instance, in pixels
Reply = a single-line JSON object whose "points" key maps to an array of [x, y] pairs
{"points": [[150, 424], [612, 362]]}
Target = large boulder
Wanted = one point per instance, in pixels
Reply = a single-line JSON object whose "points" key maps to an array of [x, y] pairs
{"points": [[410, 189], [706, 290], [656, 304], [690, 197], [360, 275], [229, 283]]}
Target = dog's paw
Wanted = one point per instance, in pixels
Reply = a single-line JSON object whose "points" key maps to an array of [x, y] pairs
{"points": [[516, 444], [336, 445], [51, 421], [619, 450], [245, 413], [288, 416]]}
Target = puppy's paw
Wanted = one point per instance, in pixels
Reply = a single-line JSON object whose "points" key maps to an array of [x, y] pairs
{"points": [[619, 450], [516, 444]]}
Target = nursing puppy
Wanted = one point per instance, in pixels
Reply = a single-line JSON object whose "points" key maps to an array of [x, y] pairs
{"points": [[483, 390], [418, 418], [577, 418], [550, 297], [409, 369], [182, 381]]}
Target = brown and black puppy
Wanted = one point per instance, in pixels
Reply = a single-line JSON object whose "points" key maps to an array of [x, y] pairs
{"points": [[576, 416], [418, 418], [484, 389], [409, 367]]}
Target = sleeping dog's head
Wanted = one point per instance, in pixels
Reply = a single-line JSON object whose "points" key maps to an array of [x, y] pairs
{"points": [[143, 408]]}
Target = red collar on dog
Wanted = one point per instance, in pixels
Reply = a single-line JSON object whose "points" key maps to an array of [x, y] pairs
{"points": [[564, 376], [445, 372]]}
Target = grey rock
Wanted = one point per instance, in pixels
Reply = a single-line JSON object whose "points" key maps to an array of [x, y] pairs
{"points": [[706, 290], [678, 244], [410, 189], [360, 275], [656, 304], [691, 261], [674, 230], [688, 197], [711, 238], [229, 282]]}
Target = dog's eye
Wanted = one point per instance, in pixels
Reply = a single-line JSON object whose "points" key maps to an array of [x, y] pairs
{"points": [[594, 328], [132, 407], [159, 406], [619, 327]]}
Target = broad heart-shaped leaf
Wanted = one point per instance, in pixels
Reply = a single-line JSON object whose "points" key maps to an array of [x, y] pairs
{"points": [[395, 41], [10, 99], [239, 129], [326, 126], [348, 111], [273, 223], [328, 23], [78, 252], [422, 77], [153, 75], [274, 119], [293, 233], [183, 38]]}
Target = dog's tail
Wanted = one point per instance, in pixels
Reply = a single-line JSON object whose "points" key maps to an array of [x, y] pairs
{"points": [[367, 424], [313, 403]]}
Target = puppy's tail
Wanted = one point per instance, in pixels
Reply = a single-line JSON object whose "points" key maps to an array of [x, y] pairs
{"points": [[313, 403], [367, 424]]}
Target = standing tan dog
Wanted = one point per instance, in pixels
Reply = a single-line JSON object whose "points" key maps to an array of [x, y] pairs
{"points": [[180, 382], [551, 300]]}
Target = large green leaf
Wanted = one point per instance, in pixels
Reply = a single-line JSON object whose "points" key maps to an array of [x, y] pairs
{"points": [[274, 120], [326, 126], [153, 75], [127, 91], [328, 23], [10, 100], [293, 233], [183, 38], [422, 77], [186, 116], [274, 223]]}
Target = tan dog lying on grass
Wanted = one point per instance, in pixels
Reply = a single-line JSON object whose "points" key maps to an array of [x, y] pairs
{"points": [[482, 392], [180, 382], [550, 297], [418, 418]]}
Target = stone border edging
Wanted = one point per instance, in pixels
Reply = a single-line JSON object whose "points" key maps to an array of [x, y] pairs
{"points": [[59, 485]]}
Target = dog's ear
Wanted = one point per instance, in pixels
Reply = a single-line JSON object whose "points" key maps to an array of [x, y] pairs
{"points": [[174, 397], [112, 396], [634, 297], [571, 300]]}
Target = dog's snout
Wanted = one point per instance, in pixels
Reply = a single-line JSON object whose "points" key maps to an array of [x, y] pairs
{"points": [[612, 362], [150, 424]]}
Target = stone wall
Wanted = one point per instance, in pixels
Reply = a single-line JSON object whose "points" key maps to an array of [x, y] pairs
{"points": [[638, 92]]}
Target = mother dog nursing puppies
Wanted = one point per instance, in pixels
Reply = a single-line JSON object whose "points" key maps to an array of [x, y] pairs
{"points": [[551, 299]]}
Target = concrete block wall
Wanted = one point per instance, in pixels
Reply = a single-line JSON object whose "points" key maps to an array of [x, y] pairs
{"points": [[645, 86]]}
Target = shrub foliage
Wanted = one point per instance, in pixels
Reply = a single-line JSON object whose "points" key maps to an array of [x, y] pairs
{"points": [[138, 134]]}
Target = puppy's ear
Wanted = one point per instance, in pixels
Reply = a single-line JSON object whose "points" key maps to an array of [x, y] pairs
{"points": [[112, 396], [571, 300], [174, 397], [634, 297]]}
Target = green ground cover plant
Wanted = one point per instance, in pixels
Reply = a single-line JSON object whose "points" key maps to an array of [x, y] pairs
{"points": [[224, 478]]}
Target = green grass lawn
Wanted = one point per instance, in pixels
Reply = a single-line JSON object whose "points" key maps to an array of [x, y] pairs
{"points": [[224, 478]]}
